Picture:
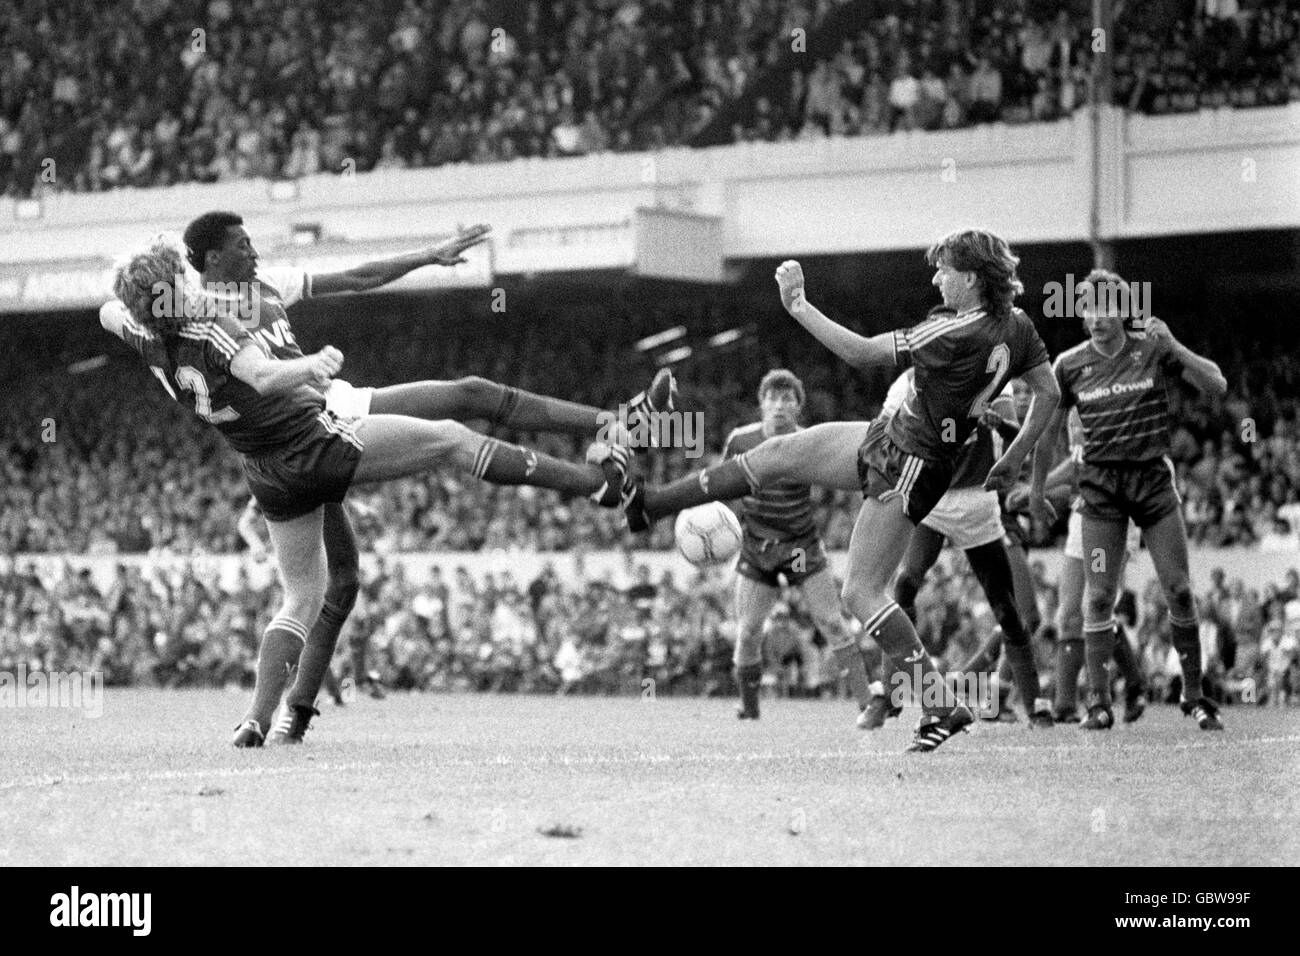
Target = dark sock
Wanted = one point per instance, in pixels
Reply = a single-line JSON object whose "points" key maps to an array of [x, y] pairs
{"points": [[749, 678], [1186, 639], [316, 655], [332, 686], [1020, 658], [540, 413], [1127, 661], [504, 464], [890, 628], [282, 645], [850, 661], [359, 662], [986, 656], [1098, 649], [1069, 661], [731, 479]]}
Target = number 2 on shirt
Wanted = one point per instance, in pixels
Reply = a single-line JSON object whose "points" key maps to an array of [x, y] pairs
{"points": [[999, 362], [191, 380]]}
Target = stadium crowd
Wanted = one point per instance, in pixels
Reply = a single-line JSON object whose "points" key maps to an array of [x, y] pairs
{"points": [[168, 625], [148, 93], [965, 64]]}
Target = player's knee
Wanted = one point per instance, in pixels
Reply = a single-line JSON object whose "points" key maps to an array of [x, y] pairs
{"points": [[477, 394], [1071, 624], [344, 585], [861, 598], [907, 587], [1179, 597], [1099, 606]]}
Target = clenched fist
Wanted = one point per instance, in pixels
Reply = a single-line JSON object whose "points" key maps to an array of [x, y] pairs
{"points": [[325, 364], [789, 278]]}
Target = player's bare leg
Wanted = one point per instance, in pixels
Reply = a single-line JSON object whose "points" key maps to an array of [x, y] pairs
{"points": [[344, 568], [474, 398], [1103, 559], [300, 557], [396, 446], [880, 538], [825, 455], [1167, 542], [754, 601], [822, 600]]}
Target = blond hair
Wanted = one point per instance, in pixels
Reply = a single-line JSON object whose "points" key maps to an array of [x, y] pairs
{"points": [[158, 287]]}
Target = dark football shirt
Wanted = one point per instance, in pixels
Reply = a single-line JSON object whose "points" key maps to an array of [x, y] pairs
{"points": [[781, 511], [1123, 401]]}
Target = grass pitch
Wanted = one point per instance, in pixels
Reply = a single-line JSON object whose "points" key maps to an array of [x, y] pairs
{"points": [[507, 780]]}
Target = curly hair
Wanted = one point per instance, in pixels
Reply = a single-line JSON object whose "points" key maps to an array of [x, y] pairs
{"points": [[781, 378], [158, 287], [989, 257]]}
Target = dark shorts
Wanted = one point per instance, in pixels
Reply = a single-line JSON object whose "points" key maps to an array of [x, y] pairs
{"points": [[887, 472], [1143, 491], [314, 471], [765, 560]]}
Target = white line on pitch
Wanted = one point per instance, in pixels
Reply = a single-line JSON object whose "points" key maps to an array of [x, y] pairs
{"points": [[159, 776]]}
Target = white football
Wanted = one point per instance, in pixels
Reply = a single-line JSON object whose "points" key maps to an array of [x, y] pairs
{"points": [[708, 534]]}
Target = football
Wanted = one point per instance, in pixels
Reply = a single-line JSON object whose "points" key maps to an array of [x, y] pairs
{"points": [[708, 534]]}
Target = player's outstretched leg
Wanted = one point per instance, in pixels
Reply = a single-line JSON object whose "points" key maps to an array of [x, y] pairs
{"points": [[344, 566], [823, 455], [754, 601], [1167, 542], [474, 398], [395, 446], [300, 556]]}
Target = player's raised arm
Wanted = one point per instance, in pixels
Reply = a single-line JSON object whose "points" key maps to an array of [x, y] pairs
{"points": [[269, 376], [380, 272], [1201, 373], [858, 350]]}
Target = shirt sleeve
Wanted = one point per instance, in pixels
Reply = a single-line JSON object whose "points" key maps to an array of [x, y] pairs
{"points": [[223, 339], [922, 342], [1028, 350], [292, 282], [133, 333], [726, 445], [1169, 364]]}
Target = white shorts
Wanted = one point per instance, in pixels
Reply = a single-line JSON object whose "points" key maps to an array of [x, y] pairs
{"points": [[347, 401], [1074, 538], [967, 517]]}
